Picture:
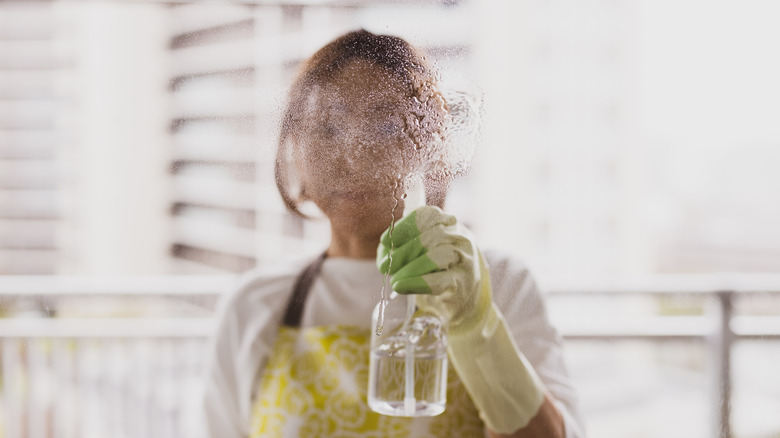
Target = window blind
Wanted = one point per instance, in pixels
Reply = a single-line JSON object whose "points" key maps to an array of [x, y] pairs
{"points": [[29, 209]]}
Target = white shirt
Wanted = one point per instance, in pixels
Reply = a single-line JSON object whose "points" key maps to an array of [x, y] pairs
{"points": [[345, 292]]}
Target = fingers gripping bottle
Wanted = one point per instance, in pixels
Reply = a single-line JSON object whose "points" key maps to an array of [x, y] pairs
{"points": [[408, 361]]}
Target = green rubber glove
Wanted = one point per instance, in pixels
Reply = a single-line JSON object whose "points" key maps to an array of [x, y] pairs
{"points": [[433, 255]]}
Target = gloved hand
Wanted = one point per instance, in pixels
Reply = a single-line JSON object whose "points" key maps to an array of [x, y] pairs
{"points": [[433, 255]]}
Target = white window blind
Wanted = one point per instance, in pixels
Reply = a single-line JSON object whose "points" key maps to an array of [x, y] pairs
{"points": [[28, 137]]}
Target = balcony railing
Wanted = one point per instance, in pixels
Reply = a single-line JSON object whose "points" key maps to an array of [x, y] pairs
{"points": [[97, 357], [718, 326], [122, 356]]}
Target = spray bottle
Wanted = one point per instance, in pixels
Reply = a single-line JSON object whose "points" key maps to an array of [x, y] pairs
{"points": [[408, 362]]}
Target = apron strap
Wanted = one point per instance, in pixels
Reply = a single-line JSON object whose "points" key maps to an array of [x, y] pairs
{"points": [[294, 311]]}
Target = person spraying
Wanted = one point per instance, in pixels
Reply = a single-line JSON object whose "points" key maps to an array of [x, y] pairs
{"points": [[290, 355]]}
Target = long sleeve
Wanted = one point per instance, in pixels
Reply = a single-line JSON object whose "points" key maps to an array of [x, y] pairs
{"points": [[522, 304], [247, 321], [221, 408]]}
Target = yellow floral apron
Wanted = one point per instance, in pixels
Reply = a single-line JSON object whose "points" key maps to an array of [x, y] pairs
{"points": [[315, 385]]}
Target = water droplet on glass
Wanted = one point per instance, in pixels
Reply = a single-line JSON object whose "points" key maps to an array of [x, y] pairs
{"points": [[380, 320]]}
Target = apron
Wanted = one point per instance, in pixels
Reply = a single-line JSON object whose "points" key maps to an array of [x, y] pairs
{"points": [[315, 385]]}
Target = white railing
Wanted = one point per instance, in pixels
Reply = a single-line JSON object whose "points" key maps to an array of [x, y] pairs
{"points": [[718, 326], [99, 357], [121, 357]]}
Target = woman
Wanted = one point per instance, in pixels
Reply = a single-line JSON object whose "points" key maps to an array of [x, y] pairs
{"points": [[291, 350]]}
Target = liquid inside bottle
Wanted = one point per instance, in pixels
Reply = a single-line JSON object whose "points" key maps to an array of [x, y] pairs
{"points": [[388, 389]]}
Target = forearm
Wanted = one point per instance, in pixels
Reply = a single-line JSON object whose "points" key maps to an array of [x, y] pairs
{"points": [[499, 379], [436, 258], [547, 423]]}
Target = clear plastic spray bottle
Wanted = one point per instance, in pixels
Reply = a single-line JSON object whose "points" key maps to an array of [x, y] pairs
{"points": [[408, 362]]}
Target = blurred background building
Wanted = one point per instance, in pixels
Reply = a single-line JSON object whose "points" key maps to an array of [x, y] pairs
{"points": [[622, 139]]}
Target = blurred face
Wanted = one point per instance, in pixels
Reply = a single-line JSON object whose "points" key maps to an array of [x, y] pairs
{"points": [[358, 148]]}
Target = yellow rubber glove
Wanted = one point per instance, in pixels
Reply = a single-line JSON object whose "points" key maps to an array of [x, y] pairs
{"points": [[433, 255]]}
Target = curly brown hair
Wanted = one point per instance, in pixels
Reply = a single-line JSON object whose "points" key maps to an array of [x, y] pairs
{"points": [[404, 62]]}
